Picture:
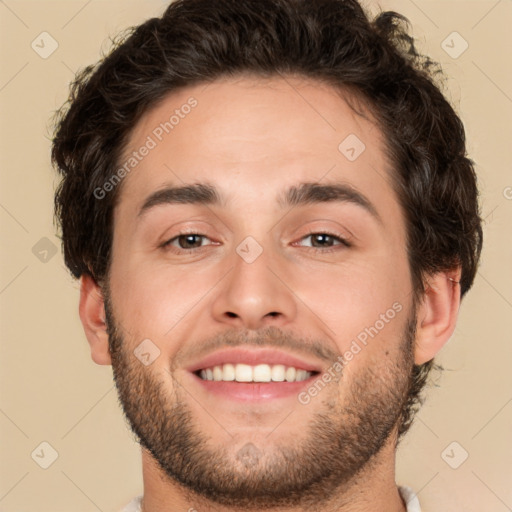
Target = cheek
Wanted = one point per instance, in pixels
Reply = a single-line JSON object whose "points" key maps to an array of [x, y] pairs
{"points": [[151, 299], [360, 302]]}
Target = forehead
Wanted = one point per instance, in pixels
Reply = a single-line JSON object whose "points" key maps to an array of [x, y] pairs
{"points": [[256, 131]]}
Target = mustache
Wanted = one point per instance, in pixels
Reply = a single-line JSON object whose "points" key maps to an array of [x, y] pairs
{"points": [[268, 337]]}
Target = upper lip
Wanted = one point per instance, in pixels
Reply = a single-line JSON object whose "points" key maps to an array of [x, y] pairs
{"points": [[253, 358]]}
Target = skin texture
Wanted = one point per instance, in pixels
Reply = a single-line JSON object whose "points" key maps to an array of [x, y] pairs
{"points": [[252, 139]]}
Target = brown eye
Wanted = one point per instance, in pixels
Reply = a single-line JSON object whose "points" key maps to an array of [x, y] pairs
{"points": [[186, 241], [190, 241], [324, 240]]}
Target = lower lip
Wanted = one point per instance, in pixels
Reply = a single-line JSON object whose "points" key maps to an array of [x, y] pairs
{"points": [[254, 391]]}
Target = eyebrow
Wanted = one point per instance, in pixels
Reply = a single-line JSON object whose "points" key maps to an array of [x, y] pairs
{"points": [[299, 195], [197, 193], [313, 192]]}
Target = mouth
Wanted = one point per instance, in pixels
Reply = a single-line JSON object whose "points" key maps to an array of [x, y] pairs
{"points": [[248, 375], [260, 373]]}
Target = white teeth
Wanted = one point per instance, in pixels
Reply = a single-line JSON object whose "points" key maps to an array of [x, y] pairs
{"points": [[290, 374], [228, 372], [301, 375], [262, 373], [243, 373], [277, 372], [258, 373], [217, 373]]}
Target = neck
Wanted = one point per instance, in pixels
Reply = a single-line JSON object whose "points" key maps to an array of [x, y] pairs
{"points": [[373, 489]]}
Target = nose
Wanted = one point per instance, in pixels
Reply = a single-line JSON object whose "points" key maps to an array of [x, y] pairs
{"points": [[255, 294]]}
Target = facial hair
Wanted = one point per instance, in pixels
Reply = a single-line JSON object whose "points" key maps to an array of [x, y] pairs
{"points": [[340, 442]]}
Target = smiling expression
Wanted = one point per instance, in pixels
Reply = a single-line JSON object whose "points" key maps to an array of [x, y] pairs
{"points": [[251, 226]]}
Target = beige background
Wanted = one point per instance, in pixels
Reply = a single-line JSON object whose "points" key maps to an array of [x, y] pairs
{"points": [[52, 391]]}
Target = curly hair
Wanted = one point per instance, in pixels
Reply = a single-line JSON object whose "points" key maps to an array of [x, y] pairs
{"points": [[332, 41]]}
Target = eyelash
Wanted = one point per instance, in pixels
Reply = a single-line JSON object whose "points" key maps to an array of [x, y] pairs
{"points": [[342, 242]]}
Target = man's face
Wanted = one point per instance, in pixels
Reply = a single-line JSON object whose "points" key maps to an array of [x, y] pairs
{"points": [[293, 288]]}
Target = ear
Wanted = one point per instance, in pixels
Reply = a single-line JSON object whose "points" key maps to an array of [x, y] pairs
{"points": [[437, 314], [92, 315]]}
